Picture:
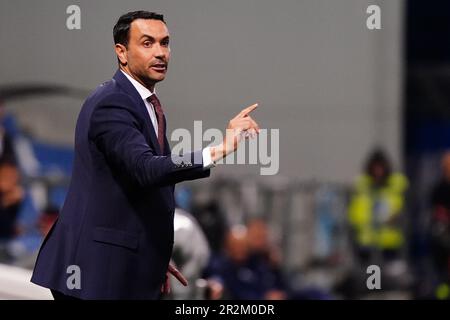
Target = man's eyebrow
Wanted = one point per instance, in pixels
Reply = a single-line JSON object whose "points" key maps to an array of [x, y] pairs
{"points": [[147, 36], [152, 38]]}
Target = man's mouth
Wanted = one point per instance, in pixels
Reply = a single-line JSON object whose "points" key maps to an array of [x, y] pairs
{"points": [[159, 67]]}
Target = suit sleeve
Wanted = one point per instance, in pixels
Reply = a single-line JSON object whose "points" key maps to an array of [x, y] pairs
{"points": [[114, 129]]}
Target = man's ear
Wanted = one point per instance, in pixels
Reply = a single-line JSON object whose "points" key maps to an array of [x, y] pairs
{"points": [[121, 52]]}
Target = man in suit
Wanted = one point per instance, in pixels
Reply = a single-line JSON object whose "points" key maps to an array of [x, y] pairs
{"points": [[114, 236]]}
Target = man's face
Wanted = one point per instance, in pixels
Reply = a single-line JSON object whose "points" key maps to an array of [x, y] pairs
{"points": [[147, 54]]}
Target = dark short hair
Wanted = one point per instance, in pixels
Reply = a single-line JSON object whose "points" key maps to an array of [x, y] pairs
{"points": [[121, 30]]}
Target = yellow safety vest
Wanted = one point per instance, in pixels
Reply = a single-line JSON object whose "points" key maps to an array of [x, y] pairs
{"points": [[361, 211]]}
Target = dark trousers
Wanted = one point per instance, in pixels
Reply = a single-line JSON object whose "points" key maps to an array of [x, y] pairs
{"points": [[60, 296]]}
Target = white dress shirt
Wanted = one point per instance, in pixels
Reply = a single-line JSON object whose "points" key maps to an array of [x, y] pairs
{"points": [[145, 94]]}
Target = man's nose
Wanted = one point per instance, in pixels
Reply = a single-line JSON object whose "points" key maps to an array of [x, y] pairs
{"points": [[159, 51]]}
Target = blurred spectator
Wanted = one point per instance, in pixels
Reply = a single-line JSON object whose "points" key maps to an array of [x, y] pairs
{"points": [[24, 249], [190, 254], [440, 229], [243, 278], [259, 243], [7, 154], [18, 216], [376, 211], [265, 259], [377, 222], [11, 196]]}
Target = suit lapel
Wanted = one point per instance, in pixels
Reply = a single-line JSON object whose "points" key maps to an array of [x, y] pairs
{"points": [[130, 89]]}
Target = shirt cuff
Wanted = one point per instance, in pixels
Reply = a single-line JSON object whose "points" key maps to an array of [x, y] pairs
{"points": [[207, 161]]}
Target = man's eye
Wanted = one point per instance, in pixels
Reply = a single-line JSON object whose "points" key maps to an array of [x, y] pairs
{"points": [[165, 43], [147, 44]]}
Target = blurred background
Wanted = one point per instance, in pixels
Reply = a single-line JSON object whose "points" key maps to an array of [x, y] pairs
{"points": [[364, 127]]}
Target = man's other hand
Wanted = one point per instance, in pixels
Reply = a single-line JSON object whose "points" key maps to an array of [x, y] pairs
{"points": [[172, 270]]}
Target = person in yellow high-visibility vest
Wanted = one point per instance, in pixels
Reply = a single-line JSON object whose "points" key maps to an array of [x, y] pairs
{"points": [[376, 208]]}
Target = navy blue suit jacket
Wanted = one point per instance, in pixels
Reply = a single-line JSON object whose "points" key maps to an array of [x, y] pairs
{"points": [[116, 224]]}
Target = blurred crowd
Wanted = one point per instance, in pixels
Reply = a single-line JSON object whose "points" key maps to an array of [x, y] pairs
{"points": [[22, 225], [243, 260]]}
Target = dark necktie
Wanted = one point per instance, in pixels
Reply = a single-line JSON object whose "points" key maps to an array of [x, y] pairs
{"points": [[153, 99]]}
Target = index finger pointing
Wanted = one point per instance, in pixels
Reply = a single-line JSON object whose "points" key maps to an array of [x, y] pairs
{"points": [[247, 110]]}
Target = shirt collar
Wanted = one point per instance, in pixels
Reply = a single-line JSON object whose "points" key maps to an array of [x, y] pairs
{"points": [[143, 91]]}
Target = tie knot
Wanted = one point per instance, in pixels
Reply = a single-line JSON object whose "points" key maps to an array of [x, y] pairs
{"points": [[153, 99]]}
